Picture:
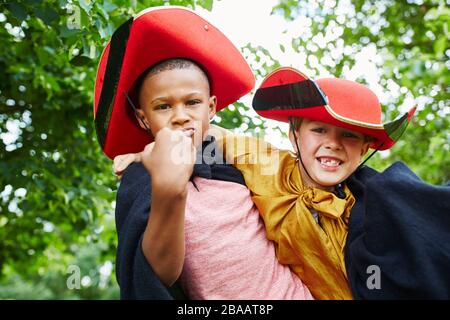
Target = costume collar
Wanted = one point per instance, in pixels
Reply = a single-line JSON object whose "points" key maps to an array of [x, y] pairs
{"points": [[206, 157]]}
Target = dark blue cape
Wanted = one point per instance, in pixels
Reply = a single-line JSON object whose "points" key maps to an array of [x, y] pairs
{"points": [[135, 275], [400, 225]]}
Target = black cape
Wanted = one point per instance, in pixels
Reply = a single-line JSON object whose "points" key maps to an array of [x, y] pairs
{"points": [[399, 228]]}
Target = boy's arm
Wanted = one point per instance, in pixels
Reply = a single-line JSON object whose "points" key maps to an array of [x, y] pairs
{"points": [[163, 239], [170, 166]]}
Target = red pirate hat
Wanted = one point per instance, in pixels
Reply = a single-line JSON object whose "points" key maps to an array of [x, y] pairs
{"points": [[154, 35], [286, 92]]}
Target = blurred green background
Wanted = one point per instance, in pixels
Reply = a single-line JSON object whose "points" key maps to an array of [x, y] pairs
{"points": [[57, 192]]}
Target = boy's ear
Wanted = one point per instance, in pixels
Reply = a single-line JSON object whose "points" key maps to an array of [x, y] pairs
{"points": [[140, 116], [292, 139], [212, 106], [365, 148]]}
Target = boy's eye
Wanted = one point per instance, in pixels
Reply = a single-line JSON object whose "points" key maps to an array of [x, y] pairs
{"points": [[318, 130], [347, 134], [162, 107], [193, 102]]}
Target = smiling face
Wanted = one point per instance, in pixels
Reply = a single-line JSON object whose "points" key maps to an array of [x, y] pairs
{"points": [[330, 154], [178, 99]]}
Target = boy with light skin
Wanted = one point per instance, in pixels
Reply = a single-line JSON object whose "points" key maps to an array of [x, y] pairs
{"points": [[306, 204], [387, 248]]}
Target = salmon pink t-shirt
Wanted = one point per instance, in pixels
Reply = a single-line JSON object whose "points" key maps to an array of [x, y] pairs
{"points": [[227, 253]]}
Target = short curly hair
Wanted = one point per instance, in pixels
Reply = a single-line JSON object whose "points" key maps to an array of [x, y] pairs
{"points": [[169, 64]]}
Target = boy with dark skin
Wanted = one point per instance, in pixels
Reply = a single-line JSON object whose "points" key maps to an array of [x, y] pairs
{"points": [[176, 107], [183, 214]]}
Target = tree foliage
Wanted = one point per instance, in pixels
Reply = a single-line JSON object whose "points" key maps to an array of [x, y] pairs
{"points": [[56, 188]]}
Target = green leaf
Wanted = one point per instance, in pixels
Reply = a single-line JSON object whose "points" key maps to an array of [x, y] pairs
{"points": [[47, 15], [86, 5], [207, 4], [80, 60], [65, 32], [84, 19], [33, 2], [53, 84], [441, 12], [104, 32], [109, 6], [439, 46], [102, 12], [18, 11]]}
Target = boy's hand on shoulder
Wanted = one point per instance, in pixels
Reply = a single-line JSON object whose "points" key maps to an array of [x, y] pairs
{"points": [[171, 162], [121, 162]]}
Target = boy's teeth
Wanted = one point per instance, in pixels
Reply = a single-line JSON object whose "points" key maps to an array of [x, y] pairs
{"points": [[329, 162]]}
